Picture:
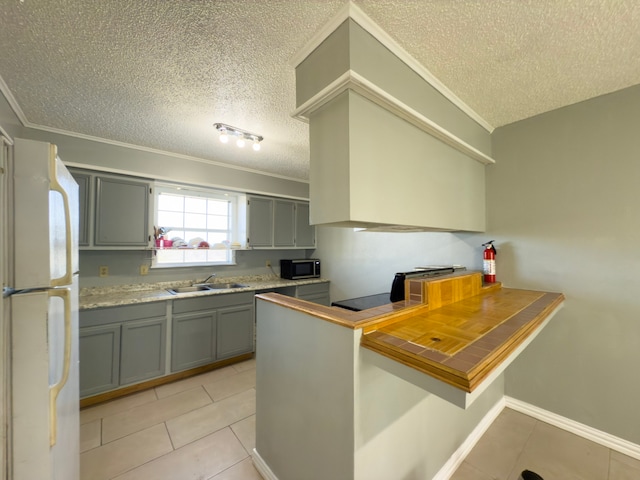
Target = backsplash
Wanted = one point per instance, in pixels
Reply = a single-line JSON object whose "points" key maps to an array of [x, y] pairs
{"points": [[124, 266]]}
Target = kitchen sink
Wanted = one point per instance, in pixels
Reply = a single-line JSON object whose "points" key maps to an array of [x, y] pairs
{"points": [[193, 288], [203, 287], [222, 286]]}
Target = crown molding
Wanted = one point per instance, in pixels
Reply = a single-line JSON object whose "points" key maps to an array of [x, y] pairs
{"points": [[351, 10], [4, 89], [351, 80]]}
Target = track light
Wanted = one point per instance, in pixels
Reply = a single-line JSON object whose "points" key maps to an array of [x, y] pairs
{"points": [[241, 136]]}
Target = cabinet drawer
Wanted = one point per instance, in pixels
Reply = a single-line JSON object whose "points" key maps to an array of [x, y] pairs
{"points": [[103, 316], [212, 302], [311, 289]]}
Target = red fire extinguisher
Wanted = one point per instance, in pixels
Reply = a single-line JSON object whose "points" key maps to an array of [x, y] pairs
{"points": [[489, 262]]}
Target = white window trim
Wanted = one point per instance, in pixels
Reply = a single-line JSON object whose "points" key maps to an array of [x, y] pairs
{"points": [[237, 219]]}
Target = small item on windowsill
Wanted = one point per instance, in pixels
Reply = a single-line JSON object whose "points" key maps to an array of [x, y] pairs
{"points": [[203, 244]]}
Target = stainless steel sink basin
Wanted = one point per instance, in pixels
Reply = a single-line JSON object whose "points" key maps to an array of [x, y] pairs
{"points": [[193, 288], [222, 286]]}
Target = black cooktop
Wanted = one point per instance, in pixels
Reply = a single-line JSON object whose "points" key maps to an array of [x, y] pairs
{"points": [[397, 288], [363, 303]]}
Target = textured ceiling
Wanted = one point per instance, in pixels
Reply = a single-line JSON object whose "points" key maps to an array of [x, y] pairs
{"points": [[159, 73]]}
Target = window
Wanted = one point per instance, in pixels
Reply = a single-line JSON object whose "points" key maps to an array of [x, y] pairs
{"points": [[199, 226]]}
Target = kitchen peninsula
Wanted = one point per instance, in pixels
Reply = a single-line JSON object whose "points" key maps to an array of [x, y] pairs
{"points": [[362, 395]]}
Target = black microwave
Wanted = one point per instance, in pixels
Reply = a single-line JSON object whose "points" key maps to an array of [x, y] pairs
{"points": [[300, 268]]}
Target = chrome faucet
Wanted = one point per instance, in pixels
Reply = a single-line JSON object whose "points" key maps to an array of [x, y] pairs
{"points": [[210, 276]]}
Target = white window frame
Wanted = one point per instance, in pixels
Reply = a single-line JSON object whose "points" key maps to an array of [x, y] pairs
{"points": [[236, 228]]}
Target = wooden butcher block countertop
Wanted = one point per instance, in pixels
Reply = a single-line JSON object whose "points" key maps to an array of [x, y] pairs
{"points": [[462, 342], [453, 327]]}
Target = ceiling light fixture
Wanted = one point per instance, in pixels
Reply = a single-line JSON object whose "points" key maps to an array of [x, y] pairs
{"points": [[241, 136]]}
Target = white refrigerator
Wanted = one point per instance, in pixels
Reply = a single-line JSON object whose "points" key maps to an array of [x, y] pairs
{"points": [[40, 299]]}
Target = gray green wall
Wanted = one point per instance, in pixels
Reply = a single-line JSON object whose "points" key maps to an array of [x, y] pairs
{"points": [[563, 203]]}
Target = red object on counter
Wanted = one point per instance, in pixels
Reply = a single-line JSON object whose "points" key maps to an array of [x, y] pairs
{"points": [[489, 262], [161, 243]]}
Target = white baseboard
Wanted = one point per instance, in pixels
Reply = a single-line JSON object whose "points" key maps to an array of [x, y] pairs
{"points": [[461, 453], [602, 438], [598, 436], [262, 467]]}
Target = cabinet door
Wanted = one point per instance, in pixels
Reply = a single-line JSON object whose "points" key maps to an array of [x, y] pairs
{"points": [[84, 184], [319, 298], [234, 331], [260, 222], [315, 292], [193, 340], [122, 212], [284, 217], [305, 233], [99, 359], [143, 350]]}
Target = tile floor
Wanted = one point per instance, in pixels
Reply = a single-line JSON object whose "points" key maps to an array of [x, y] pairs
{"points": [[200, 428], [515, 442], [203, 428]]}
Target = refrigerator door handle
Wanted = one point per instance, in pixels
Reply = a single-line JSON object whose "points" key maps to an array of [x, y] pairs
{"points": [[55, 185], [54, 391]]}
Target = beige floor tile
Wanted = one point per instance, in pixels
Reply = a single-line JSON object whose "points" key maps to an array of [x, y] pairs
{"points": [[143, 416], [240, 471], [90, 435], [90, 414], [199, 460], [245, 430], [106, 462], [466, 471], [231, 385], [181, 385], [623, 467], [203, 421], [246, 365], [554, 453], [497, 451]]}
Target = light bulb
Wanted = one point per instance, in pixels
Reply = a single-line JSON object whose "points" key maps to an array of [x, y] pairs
{"points": [[240, 142], [224, 136], [256, 145]]}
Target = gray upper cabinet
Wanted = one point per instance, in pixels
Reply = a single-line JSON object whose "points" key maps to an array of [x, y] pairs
{"points": [[114, 210], [260, 222], [279, 223], [305, 233], [284, 218], [85, 185], [122, 212]]}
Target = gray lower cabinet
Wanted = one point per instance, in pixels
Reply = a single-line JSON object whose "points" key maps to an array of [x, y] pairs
{"points": [[316, 293], [193, 341], [234, 331], [142, 353], [99, 359], [121, 345], [210, 328]]}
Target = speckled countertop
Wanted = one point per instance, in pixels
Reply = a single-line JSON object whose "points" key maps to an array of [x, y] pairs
{"points": [[98, 297]]}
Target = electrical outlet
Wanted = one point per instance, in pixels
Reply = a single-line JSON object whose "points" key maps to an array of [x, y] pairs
{"points": [[104, 271], [268, 263], [144, 269]]}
